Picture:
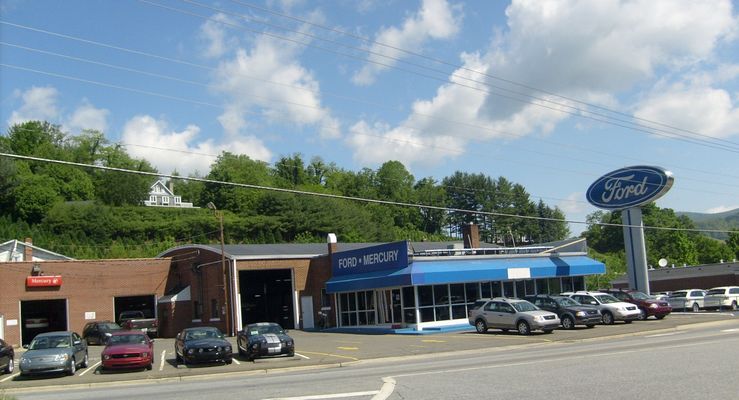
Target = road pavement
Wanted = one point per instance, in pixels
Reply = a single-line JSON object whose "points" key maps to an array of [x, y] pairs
{"points": [[316, 350]]}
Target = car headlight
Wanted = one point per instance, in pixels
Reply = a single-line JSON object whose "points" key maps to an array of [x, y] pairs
{"points": [[227, 348], [289, 343], [61, 357], [622, 309], [106, 356], [145, 354], [580, 313], [25, 361], [190, 351], [539, 318], [653, 305]]}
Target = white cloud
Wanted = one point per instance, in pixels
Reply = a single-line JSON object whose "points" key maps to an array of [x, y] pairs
{"points": [[574, 204], [214, 34], [435, 20], [720, 209], [148, 138], [38, 103], [88, 116], [590, 50], [587, 48], [267, 81], [702, 109]]}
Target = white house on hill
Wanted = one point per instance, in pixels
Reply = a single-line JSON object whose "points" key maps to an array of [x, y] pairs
{"points": [[162, 196]]}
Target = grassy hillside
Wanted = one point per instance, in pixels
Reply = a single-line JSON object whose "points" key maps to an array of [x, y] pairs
{"points": [[726, 220]]}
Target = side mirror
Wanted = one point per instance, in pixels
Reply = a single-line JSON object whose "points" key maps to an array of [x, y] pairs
{"points": [[77, 342], [25, 346]]}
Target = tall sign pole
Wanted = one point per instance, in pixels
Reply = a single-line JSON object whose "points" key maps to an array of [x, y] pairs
{"points": [[626, 190]]}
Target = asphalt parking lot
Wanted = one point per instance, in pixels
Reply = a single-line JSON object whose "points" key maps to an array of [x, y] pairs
{"points": [[328, 349]]}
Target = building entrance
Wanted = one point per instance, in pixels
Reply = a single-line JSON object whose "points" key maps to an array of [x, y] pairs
{"points": [[267, 296], [39, 316]]}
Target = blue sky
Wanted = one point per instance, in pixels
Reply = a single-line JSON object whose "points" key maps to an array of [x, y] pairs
{"points": [[549, 94]]}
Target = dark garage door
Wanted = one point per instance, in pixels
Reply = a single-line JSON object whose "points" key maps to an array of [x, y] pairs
{"points": [[39, 316], [267, 296]]}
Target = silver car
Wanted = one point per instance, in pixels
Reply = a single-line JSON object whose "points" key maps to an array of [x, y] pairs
{"points": [[53, 352], [610, 307], [688, 299], [506, 314]]}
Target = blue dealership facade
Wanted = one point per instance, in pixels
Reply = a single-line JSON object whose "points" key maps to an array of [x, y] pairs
{"points": [[395, 285]]}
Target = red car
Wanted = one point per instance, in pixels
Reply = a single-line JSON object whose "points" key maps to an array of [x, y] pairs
{"points": [[128, 349]]}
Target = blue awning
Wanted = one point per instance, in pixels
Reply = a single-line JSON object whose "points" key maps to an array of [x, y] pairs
{"points": [[437, 272]]}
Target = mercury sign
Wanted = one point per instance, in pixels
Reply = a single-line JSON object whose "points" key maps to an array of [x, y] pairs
{"points": [[629, 187], [370, 259]]}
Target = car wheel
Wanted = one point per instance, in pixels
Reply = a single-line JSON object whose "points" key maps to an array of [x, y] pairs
{"points": [[241, 352], [642, 314], [607, 318], [149, 367], [72, 367], [696, 307], [85, 361], [568, 323], [734, 306], [177, 358], [660, 316], [481, 326], [229, 361], [291, 354], [523, 328], [10, 367]]}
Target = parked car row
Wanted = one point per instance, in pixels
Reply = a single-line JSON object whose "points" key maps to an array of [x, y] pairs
{"points": [[546, 312], [65, 352], [718, 298]]}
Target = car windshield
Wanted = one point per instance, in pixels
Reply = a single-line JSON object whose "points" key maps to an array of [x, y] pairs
{"points": [[679, 294], [639, 296], [522, 306], [49, 342], [567, 302], [127, 339], [203, 334], [715, 291], [109, 327], [263, 329], [607, 299]]}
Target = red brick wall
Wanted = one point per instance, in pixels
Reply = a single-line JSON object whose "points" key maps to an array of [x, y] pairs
{"points": [[88, 286]]}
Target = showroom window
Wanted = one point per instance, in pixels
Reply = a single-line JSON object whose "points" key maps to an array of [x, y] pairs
{"points": [[357, 308]]}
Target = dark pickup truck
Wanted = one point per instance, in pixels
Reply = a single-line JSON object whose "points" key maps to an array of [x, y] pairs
{"points": [[135, 320]]}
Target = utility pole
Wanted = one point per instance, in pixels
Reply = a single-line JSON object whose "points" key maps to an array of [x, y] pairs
{"points": [[226, 282]]}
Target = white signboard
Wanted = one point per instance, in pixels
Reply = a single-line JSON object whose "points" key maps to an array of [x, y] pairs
{"points": [[519, 273], [12, 322], [90, 315]]}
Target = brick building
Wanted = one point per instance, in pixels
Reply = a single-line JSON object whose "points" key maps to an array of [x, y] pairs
{"points": [[704, 276], [41, 296]]}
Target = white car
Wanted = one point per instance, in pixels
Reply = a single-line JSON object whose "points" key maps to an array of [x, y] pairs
{"points": [[610, 307], [688, 299], [722, 297]]}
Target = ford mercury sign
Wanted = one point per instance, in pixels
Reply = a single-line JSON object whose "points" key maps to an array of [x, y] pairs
{"points": [[370, 259], [629, 187]]}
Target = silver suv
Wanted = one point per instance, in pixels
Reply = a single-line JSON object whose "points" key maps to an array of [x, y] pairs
{"points": [[506, 314], [610, 307]]}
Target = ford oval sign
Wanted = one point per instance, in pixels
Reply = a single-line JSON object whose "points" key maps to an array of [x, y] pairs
{"points": [[629, 187]]}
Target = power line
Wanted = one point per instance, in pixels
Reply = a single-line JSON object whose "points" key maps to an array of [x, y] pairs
{"points": [[352, 198], [276, 83], [462, 67], [577, 112]]}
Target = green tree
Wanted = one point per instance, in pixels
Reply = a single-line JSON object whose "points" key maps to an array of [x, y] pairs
{"points": [[290, 171], [121, 188], [238, 169], [33, 197], [733, 243]]}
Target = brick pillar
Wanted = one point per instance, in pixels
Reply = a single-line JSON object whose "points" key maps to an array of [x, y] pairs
{"points": [[28, 250]]}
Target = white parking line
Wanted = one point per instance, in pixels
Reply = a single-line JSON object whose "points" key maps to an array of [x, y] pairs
{"points": [[731, 330], [9, 377], [300, 355], [90, 368], [329, 396], [161, 363], [236, 361]]}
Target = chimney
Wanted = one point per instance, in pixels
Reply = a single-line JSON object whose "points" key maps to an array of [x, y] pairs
{"points": [[471, 236], [332, 246], [28, 250], [171, 185]]}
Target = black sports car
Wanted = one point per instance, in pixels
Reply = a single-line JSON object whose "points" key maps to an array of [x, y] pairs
{"points": [[202, 345], [264, 339]]}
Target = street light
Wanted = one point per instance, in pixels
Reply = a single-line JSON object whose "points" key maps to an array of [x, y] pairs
{"points": [[219, 214]]}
